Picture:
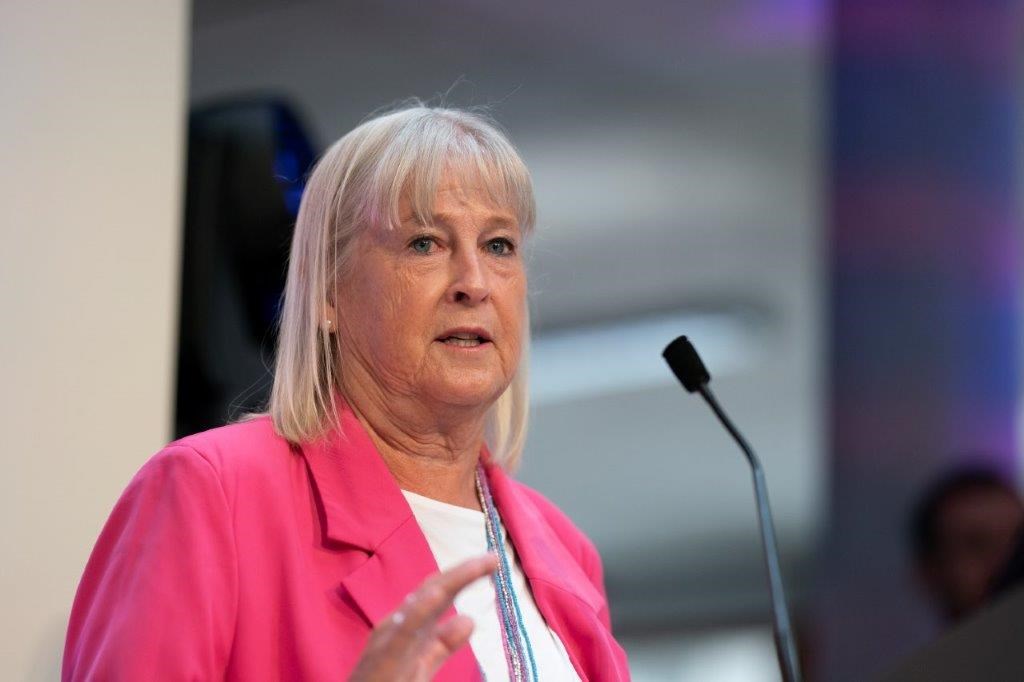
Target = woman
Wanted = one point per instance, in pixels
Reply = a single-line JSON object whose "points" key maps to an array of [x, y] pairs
{"points": [[346, 533]]}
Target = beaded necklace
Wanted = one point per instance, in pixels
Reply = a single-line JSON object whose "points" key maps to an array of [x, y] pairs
{"points": [[516, 642]]}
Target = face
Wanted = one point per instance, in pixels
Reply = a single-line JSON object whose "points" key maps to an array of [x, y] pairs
{"points": [[436, 314], [977, 531]]}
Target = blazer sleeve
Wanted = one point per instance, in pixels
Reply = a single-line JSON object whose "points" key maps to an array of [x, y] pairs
{"points": [[158, 597]]}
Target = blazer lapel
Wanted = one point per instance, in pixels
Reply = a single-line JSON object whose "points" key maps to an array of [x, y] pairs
{"points": [[563, 592], [361, 507]]}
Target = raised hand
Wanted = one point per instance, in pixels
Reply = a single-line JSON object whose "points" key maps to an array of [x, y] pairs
{"points": [[411, 644]]}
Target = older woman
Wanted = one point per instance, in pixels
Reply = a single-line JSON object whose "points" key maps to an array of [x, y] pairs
{"points": [[366, 526]]}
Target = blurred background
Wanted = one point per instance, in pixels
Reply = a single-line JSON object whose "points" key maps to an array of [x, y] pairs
{"points": [[823, 195]]}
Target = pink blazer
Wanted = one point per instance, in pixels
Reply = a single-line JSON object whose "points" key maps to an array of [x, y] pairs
{"points": [[232, 555]]}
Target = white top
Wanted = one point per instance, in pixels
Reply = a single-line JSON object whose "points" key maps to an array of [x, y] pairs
{"points": [[455, 534]]}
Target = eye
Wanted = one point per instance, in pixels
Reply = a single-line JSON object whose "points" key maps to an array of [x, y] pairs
{"points": [[501, 247], [422, 244]]}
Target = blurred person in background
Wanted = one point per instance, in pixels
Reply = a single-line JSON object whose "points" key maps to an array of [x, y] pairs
{"points": [[963, 531], [366, 526], [1012, 575]]}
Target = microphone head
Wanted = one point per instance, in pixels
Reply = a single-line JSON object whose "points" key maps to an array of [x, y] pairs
{"points": [[682, 357]]}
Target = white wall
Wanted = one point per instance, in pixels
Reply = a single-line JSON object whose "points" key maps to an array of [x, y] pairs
{"points": [[91, 142]]}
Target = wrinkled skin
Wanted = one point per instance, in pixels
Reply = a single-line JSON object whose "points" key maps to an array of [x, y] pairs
{"points": [[409, 285]]}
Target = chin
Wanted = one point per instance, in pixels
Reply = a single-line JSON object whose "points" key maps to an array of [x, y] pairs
{"points": [[469, 393]]}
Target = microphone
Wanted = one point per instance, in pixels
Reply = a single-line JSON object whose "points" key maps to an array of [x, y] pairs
{"points": [[682, 357]]}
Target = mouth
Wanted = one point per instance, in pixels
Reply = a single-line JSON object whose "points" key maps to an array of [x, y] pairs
{"points": [[465, 338]]}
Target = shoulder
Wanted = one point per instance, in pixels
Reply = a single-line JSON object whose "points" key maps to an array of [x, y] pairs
{"points": [[226, 444], [235, 448], [247, 455]]}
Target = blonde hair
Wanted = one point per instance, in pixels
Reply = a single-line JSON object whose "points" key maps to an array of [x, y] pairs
{"points": [[356, 186]]}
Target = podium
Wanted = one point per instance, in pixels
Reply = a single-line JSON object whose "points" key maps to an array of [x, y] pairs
{"points": [[988, 647]]}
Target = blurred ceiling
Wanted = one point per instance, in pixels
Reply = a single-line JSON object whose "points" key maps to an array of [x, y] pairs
{"points": [[675, 153]]}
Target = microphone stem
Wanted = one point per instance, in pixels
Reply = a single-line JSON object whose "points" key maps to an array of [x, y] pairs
{"points": [[785, 647]]}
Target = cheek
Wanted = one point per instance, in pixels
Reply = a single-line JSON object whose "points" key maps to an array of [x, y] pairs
{"points": [[516, 322], [398, 310], [373, 300]]}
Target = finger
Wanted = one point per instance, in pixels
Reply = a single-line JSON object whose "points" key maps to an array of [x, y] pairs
{"points": [[448, 638], [411, 631], [436, 594]]}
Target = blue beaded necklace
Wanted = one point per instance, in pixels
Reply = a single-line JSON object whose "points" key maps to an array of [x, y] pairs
{"points": [[515, 640]]}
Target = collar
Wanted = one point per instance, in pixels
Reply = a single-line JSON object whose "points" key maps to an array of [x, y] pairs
{"points": [[542, 554], [361, 504], [362, 507]]}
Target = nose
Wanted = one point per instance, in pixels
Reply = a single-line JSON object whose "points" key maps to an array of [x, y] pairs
{"points": [[469, 282]]}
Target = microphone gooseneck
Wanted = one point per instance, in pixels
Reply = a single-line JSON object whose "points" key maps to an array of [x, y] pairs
{"points": [[686, 364]]}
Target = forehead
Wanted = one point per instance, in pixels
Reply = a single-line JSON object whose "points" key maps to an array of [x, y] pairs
{"points": [[455, 191], [982, 506]]}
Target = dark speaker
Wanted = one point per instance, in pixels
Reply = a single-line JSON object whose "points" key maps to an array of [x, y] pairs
{"points": [[247, 165]]}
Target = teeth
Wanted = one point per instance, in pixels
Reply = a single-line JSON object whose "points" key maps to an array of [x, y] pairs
{"points": [[463, 343], [468, 337]]}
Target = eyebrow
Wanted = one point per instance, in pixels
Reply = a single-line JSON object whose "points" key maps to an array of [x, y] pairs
{"points": [[444, 220]]}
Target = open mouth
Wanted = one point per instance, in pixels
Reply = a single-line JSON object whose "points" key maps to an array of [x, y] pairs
{"points": [[464, 340]]}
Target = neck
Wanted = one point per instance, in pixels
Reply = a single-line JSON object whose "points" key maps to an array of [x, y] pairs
{"points": [[436, 458]]}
